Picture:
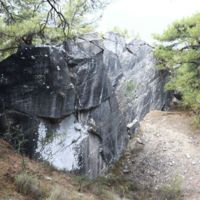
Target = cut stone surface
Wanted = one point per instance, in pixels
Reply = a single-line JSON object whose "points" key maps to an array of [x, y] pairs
{"points": [[74, 104]]}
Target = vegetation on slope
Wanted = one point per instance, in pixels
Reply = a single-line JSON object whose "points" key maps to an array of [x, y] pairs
{"points": [[179, 53], [22, 178], [39, 181]]}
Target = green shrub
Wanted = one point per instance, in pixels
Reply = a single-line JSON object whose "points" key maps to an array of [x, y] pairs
{"points": [[129, 89], [83, 182], [171, 191], [130, 86], [196, 121]]}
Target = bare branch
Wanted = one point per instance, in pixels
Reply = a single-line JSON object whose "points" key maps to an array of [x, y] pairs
{"points": [[62, 18], [6, 9]]}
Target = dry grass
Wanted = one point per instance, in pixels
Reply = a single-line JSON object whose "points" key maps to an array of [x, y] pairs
{"points": [[27, 184], [38, 181], [106, 187], [57, 194]]}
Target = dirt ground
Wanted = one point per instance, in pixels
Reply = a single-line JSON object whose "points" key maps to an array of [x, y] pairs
{"points": [[166, 152]]}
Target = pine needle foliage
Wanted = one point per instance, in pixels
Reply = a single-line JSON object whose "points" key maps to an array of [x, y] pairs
{"points": [[31, 22], [178, 52]]}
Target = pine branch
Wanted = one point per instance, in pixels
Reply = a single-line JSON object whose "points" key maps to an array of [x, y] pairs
{"points": [[62, 18], [8, 49]]}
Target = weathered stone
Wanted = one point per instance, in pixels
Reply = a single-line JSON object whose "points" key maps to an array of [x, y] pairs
{"points": [[114, 42], [93, 85], [139, 86], [36, 86], [69, 106], [58, 104]]}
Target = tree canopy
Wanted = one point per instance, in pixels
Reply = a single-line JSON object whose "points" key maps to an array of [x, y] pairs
{"points": [[178, 51], [44, 21]]}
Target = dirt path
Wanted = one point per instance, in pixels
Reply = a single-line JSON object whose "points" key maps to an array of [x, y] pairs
{"points": [[167, 151]]}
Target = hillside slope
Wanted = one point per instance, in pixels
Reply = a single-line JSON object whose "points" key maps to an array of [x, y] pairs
{"points": [[161, 162], [12, 164]]}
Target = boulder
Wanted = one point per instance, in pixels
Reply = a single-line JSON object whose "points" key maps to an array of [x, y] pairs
{"points": [[58, 105], [74, 104], [138, 85]]}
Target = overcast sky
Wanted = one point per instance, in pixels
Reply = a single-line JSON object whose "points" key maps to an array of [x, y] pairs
{"points": [[145, 17]]}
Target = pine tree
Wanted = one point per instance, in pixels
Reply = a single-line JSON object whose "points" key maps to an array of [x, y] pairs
{"points": [[43, 21], [179, 53]]}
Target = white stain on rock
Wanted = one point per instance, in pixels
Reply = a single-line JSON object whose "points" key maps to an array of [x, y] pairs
{"points": [[62, 147], [58, 68]]}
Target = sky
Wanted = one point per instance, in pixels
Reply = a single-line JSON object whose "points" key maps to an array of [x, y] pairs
{"points": [[144, 17]]}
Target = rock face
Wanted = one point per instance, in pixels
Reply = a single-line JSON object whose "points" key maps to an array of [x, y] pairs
{"points": [[71, 104], [58, 104], [138, 85]]}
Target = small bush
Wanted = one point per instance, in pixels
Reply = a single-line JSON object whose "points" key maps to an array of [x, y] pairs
{"points": [[129, 89], [57, 194], [171, 191], [130, 86], [196, 121], [28, 185], [83, 181]]}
